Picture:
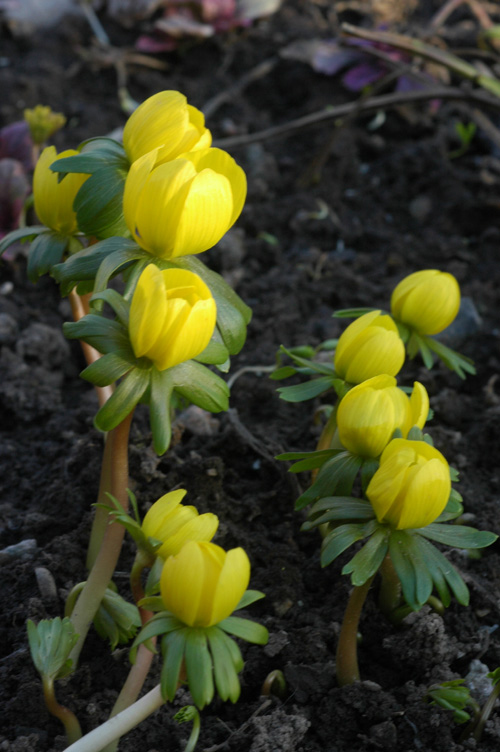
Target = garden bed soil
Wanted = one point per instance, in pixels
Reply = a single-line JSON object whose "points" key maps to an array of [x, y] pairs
{"points": [[388, 202]]}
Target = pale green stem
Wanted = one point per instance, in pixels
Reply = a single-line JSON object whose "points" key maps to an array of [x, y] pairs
{"points": [[347, 648], [65, 715], [105, 563], [101, 517], [389, 597], [120, 724]]}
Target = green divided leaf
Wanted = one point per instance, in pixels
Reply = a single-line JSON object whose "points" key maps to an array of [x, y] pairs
{"points": [[245, 629], [46, 250], [352, 313], [126, 254], [123, 400], [336, 508], [458, 536], [200, 386], [107, 369], [340, 538], [249, 597], [452, 360], [105, 335], [160, 409], [199, 667], [51, 642], [117, 302], [305, 391], [85, 264], [173, 646], [336, 475], [367, 561], [161, 623], [21, 235], [225, 672], [442, 570]]}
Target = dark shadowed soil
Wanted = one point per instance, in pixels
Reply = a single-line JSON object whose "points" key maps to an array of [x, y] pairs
{"points": [[390, 201]]}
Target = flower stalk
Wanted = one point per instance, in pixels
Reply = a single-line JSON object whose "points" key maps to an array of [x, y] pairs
{"points": [[347, 649], [64, 714]]}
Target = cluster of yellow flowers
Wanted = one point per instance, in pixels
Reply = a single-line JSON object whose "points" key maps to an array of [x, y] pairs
{"points": [[180, 197], [411, 487]]}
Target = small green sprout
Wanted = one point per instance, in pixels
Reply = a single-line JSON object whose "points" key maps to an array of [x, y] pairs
{"points": [[453, 695]]}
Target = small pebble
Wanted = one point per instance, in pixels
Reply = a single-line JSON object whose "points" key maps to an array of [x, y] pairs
{"points": [[46, 584], [25, 549]]}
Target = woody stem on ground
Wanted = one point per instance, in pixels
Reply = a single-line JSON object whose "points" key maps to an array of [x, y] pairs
{"points": [[79, 308], [105, 563], [347, 648], [65, 715], [119, 725]]}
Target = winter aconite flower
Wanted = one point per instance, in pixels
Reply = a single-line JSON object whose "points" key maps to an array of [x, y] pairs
{"points": [[174, 524], [172, 316], [370, 346], [203, 584], [412, 485], [54, 199], [426, 301], [167, 122], [369, 414], [183, 206]]}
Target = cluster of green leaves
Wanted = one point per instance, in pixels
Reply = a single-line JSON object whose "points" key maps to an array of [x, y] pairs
{"points": [[453, 695], [207, 653], [116, 619]]}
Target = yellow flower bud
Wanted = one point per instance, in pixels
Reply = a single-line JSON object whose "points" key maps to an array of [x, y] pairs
{"points": [[54, 200], [370, 346], [426, 301], [174, 524], [43, 123], [168, 123], [203, 584], [369, 414], [183, 206], [412, 485], [172, 316]]}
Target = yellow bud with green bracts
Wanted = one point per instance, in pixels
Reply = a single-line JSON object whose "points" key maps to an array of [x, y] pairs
{"points": [[168, 123], [54, 199], [183, 206], [426, 301], [370, 346], [43, 123], [369, 414], [172, 316], [203, 584], [411, 487], [174, 524]]}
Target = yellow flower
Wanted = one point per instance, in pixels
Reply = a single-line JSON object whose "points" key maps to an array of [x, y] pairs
{"points": [[183, 206], [43, 122], [203, 584], [370, 346], [412, 485], [174, 524], [369, 414], [172, 316], [54, 200], [167, 122], [426, 301]]}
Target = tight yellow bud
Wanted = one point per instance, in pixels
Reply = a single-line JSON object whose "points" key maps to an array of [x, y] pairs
{"points": [[183, 206], [172, 316], [370, 346], [168, 123], [203, 584], [369, 414], [174, 524], [54, 200], [43, 123], [426, 301], [412, 485]]}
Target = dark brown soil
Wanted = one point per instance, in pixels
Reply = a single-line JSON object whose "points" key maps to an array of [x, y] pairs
{"points": [[396, 203]]}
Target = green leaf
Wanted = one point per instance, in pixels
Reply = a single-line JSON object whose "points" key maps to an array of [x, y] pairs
{"points": [[336, 475], [326, 369], [437, 563], [114, 261], [315, 460], [21, 235], [340, 538], [453, 509], [306, 391], [95, 153], [233, 650], [368, 470], [159, 409], [85, 264], [117, 302], [173, 647], [423, 575], [352, 313], [226, 677], [106, 370], [458, 536], [161, 623], [104, 334], [452, 360], [245, 629], [46, 250], [283, 373], [123, 400], [400, 556], [215, 353], [99, 204], [368, 560], [199, 667], [325, 453], [249, 597], [334, 508], [51, 642], [201, 386]]}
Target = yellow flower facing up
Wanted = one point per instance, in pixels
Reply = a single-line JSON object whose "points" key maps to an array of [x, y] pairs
{"points": [[369, 414], [426, 301], [174, 524], [54, 200], [203, 584], [168, 123], [412, 485], [172, 316], [183, 206], [370, 346], [43, 123]]}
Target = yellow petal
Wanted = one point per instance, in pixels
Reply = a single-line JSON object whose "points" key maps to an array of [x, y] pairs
{"points": [[376, 351], [206, 214], [194, 337], [160, 510], [426, 496], [365, 421], [148, 311], [222, 163], [407, 284], [53, 199], [387, 484], [134, 185], [347, 338], [233, 582], [214, 558], [419, 405], [200, 528], [160, 121], [182, 582]]}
